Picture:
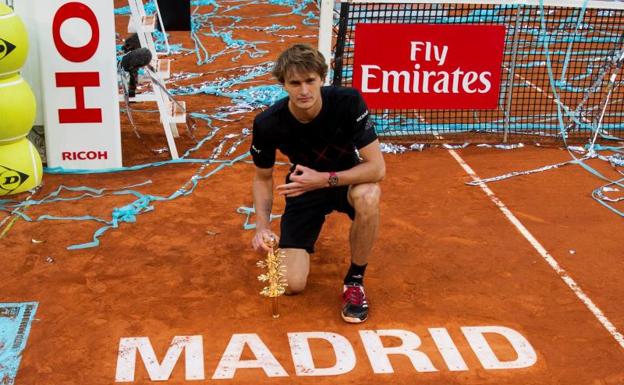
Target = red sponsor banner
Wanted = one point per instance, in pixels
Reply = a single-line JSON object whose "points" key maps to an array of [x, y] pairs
{"points": [[428, 66]]}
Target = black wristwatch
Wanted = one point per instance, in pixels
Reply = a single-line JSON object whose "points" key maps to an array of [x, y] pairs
{"points": [[333, 179]]}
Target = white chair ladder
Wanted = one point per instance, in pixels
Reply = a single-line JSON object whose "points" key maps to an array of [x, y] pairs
{"points": [[171, 113]]}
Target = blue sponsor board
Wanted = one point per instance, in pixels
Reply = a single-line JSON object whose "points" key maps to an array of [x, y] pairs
{"points": [[15, 320]]}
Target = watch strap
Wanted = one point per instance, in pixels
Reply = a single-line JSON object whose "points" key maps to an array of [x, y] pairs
{"points": [[333, 179]]}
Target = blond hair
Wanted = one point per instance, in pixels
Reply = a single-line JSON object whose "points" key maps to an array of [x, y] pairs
{"points": [[301, 58]]}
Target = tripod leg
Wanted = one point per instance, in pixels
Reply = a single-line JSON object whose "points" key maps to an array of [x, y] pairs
{"points": [[132, 83]]}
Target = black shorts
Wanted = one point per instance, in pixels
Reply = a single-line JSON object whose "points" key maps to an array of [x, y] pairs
{"points": [[304, 216]]}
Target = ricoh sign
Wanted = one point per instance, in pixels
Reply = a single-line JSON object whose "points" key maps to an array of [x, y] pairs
{"points": [[428, 66], [78, 67]]}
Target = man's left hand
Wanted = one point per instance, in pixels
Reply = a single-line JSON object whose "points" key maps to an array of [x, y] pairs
{"points": [[302, 180]]}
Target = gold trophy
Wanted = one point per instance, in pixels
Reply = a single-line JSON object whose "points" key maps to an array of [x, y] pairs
{"points": [[274, 276]]}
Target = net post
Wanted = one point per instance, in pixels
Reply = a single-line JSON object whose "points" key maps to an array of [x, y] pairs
{"points": [[510, 79], [326, 26], [340, 43]]}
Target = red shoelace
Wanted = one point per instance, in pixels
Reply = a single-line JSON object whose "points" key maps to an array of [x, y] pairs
{"points": [[353, 295]]}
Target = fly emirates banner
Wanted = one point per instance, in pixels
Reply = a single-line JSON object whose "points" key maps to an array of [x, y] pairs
{"points": [[428, 66]]}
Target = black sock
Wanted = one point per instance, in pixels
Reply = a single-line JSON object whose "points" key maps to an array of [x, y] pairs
{"points": [[355, 274]]}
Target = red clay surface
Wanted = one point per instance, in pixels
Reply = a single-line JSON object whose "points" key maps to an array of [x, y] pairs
{"points": [[446, 257]]}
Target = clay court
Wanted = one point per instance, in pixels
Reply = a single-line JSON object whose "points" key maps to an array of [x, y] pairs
{"points": [[533, 263]]}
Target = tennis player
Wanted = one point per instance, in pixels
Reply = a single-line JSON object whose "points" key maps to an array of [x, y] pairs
{"points": [[329, 138]]}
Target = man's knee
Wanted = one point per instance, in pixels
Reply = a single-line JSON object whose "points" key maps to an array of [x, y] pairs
{"points": [[297, 266], [295, 284], [365, 197]]}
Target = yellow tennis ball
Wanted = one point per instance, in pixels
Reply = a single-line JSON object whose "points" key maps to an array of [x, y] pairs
{"points": [[13, 41], [18, 109], [20, 167]]}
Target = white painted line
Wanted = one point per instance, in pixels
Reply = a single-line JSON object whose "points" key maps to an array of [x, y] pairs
{"points": [[542, 251], [539, 89]]}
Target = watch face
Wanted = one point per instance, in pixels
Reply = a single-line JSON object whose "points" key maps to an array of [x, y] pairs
{"points": [[333, 180]]}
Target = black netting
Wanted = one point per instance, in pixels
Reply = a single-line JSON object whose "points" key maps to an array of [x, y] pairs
{"points": [[589, 49]]}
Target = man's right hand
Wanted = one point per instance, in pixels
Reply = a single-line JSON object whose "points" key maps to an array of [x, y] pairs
{"points": [[260, 241]]}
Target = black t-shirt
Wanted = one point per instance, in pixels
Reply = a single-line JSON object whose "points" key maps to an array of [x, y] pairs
{"points": [[327, 143]]}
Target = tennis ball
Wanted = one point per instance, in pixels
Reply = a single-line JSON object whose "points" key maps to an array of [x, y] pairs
{"points": [[13, 41], [17, 109], [20, 167]]}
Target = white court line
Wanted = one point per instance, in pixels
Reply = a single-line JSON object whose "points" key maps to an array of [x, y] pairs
{"points": [[539, 89], [542, 251]]}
